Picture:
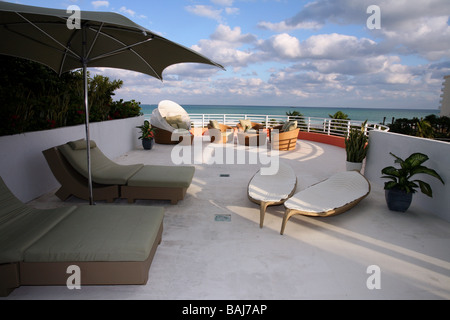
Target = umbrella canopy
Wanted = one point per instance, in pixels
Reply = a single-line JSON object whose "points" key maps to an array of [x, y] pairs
{"points": [[103, 39]]}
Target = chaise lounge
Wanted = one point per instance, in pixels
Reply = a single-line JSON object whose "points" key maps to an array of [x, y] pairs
{"points": [[111, 180], [112, 245], [272, 189], [333, 196]]}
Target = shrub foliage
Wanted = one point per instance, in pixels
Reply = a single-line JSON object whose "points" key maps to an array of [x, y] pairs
{"points": [[35, 98]]}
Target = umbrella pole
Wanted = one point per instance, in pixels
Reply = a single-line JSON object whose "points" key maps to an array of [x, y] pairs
{"points": [[86, 106], [88, 138]]}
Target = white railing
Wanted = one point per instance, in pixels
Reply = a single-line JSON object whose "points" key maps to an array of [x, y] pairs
{"points": [[335, 127]]}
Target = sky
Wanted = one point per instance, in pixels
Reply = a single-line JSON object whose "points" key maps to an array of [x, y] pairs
{"points": [[322, 53]]}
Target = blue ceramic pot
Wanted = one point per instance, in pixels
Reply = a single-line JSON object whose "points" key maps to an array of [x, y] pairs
{"points": [[398, 200], [147, 144]]}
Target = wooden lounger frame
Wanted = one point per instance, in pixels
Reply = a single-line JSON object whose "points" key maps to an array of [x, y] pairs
{"points": [[264, 204], [73, 183], [18, 274], [152, 193]]}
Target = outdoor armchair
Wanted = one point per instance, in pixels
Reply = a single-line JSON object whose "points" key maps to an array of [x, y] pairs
{"points": [[284, 137], [220, 133]]}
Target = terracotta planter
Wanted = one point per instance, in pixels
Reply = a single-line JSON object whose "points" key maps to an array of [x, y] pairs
{"points": [[398, 200]]}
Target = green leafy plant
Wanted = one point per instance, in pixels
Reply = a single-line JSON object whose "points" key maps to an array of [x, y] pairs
{"points": [[357, 144], [147, 131], [401, 177]]}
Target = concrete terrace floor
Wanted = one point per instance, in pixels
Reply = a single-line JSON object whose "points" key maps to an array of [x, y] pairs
{"points": [[317, 258]]}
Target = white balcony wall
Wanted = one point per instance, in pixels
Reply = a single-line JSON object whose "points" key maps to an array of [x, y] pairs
{"points": [[25, 170], [382, 143]]}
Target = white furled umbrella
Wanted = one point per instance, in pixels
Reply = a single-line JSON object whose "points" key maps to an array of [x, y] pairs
{"points": [[103, 39]]}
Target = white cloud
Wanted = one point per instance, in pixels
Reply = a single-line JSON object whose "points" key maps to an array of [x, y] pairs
{"points": [[223, 47], [284, 27], [98, 4], [322, 69], [407, 27], [322, 46], [231, 11], [205, 11], [127, 11]]}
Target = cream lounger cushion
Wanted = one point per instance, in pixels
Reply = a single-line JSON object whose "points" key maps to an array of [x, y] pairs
{"points": [[268, 190], [339, 193], [325, 197]]}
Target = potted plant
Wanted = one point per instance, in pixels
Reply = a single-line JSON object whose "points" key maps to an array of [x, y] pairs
{"points": [[147, 135], [356, 147], [400, 189]]}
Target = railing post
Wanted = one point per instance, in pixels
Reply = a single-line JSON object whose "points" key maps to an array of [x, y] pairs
{"points": [[329, 127], [309, 124], [348, 128], [203, 120], [225, 119], [267, 121]]}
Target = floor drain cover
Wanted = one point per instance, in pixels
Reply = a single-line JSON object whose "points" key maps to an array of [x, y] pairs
{"points": [[224, 175], [223, 217]]}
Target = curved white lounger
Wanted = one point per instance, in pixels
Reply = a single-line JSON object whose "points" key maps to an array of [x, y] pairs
{"points": [[333, 196], [270, 190]]}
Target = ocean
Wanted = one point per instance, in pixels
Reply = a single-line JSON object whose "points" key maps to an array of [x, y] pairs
{"points": [[357, 114]]}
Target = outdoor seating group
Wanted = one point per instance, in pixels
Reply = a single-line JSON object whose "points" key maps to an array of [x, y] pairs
{"points": [[283, 137], [110, 245], [335, 195], [111, 180]]}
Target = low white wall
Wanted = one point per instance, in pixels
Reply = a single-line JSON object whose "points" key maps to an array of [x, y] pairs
{"points": [[25, 170], [378, 157]]}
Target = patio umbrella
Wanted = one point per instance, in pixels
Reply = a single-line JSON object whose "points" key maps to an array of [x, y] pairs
{"points": [[101, 39]]}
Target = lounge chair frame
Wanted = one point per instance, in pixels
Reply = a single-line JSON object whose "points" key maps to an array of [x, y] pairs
{"points": [[336, 211], [73, 183], [132, 193], [264, 204]]}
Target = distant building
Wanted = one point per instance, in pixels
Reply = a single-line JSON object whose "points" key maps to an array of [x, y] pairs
{"points": [[445, 102]]}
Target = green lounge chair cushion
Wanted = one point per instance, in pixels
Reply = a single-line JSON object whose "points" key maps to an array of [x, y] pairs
{"points": [[104, 171], [21, 225], [163, 176], [101, 233], [81, 144]]}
